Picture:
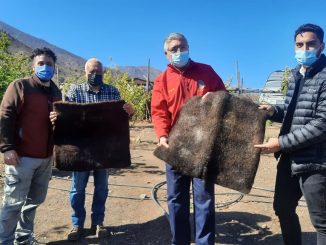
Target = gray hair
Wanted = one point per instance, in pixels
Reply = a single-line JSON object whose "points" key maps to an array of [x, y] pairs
{"points": [[93, 60], [174, 36]]}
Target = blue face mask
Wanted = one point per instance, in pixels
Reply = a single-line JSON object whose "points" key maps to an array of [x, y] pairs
{"points": [[307, 57], [180, 59], [44, 73]]}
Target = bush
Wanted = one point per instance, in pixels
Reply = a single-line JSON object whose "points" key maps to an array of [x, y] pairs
{"points": [[269, 123], [12, 65], [285, 80], [131, 92]]}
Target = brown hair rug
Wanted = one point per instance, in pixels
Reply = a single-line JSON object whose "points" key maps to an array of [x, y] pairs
{"points": [[91, 136], [213, 139]]}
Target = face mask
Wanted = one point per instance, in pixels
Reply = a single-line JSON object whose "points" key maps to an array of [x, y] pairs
{"points": [[307, 57], [94, 79], [180, 59], [44, 73]]}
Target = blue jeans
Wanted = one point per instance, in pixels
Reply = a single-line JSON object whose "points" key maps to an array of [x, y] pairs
{"points": [[77, 196], [288, 191], [25, 188], [178, 188]]}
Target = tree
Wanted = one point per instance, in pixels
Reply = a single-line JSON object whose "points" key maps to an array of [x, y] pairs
{"points": [[12, 65], [285, 80], [130, 92], [70, 80]]}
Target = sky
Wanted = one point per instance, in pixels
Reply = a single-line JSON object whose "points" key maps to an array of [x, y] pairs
{"points": [[258, 34]]}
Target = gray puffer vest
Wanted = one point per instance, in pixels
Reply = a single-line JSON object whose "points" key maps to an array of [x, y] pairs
{"points": [[305, 144]]}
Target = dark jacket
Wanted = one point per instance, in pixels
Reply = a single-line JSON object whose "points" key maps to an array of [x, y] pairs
{"points": [[24, 117], [305, 140]]}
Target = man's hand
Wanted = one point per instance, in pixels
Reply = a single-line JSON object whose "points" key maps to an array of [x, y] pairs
{"points": [[163, 141], [271, 146], [11, 158], [129, 109], [53, 117], [266, 107], [205, 95]]}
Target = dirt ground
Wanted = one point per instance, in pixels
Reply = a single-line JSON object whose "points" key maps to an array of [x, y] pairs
{"points": [[135, 219]]}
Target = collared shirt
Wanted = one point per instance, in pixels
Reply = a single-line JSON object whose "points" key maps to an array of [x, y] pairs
{"points": [[81, 93]]}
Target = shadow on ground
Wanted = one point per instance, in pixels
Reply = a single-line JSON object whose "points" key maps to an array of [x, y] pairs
{"points": [[152, 232], [244, 228], [240, 228], [135, 167]]}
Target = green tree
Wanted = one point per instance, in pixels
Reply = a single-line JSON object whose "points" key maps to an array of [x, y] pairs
{"points": [[64, 87], [12, 65], [130, 92], [285, 80]]}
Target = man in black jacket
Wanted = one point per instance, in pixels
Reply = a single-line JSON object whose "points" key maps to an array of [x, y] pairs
{"points": [[302, 141]]}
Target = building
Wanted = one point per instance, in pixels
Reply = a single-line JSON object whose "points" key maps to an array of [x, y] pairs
{"points": [[271, 92]]}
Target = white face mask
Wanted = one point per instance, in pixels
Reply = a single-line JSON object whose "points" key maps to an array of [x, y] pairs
{"points": [[180, 59]]}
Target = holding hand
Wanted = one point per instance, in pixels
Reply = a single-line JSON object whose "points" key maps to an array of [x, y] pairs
{"points": [[163, 141], [129, 109], [53, 117], [11, 158], [266, 107], [271, 146]]}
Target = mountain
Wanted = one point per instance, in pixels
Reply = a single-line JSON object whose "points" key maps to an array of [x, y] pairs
{"points": [[69, 64], [140, 72]]}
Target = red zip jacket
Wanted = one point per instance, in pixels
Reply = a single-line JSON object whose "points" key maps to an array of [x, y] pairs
{"points": [[173, 88]]}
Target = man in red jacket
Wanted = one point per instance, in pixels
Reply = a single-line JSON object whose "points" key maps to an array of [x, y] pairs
{"points": [[182, 79]]}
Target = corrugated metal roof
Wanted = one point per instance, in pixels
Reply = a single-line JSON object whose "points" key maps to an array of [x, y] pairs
{"points": [[271, 92]]}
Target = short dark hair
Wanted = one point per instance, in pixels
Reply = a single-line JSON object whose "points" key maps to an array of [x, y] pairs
{"points": [[310, 28], [44, 51]]}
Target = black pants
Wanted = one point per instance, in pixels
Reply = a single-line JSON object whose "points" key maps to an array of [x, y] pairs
{"points": [[288, 191]]}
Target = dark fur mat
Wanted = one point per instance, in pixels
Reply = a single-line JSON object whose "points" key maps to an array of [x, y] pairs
{"points": [[91, 136], [213, 139]]}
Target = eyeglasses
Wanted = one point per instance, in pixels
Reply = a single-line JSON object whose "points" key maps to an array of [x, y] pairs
{"points": [[178, 48]]}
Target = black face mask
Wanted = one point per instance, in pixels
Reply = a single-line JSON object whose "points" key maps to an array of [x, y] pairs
{"points": [[94, 79]]}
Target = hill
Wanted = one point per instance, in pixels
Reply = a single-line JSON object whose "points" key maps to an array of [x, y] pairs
{"points": [[139, 72], [68, 64]]}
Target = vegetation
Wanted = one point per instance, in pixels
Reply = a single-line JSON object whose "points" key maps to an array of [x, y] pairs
{"points": [[12, 66], [285, 80], [65, 86], [130, 92], [268, 123]]}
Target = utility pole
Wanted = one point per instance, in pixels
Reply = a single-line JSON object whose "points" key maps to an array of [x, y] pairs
{"points": [[57, 75], [148, 71], [238, 78]]}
